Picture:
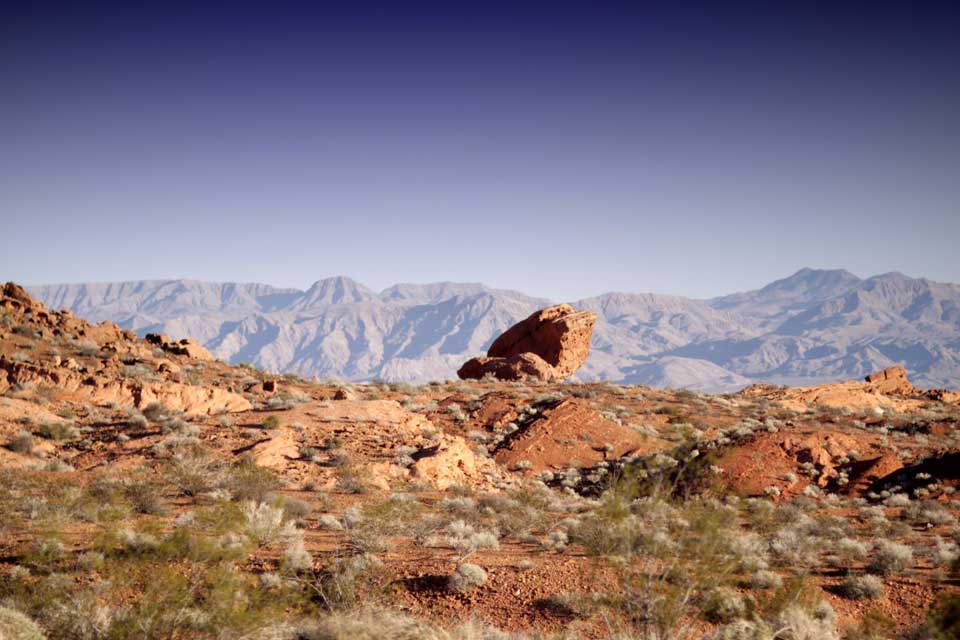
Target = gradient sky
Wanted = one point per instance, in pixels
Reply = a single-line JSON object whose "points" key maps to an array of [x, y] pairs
{"points": [[560, 149]]}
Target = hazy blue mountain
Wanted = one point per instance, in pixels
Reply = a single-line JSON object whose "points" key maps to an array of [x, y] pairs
{"points": [[811, 327], [782, 297]]}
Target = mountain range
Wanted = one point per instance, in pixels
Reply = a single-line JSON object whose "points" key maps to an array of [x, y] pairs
{"points": [[812, 327]]}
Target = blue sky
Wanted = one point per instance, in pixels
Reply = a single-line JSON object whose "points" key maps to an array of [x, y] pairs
{"points": [[560, 149]]}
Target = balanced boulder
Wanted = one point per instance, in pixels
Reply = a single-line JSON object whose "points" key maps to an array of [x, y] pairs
{"points": [[551, 344]]}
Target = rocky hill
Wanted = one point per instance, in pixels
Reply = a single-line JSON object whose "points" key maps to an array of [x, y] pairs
{"points": [[814, 326]]}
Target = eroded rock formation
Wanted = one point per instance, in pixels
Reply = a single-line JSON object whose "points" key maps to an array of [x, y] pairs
{"points": [[551, 344]]}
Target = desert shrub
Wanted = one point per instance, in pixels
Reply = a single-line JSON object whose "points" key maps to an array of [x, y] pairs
{"points": [[57, 431], [744, 630], [21, 442], [556, 541], [137, 420], [466, 577], [890, 558], [751, 551], [208, 535], [295, 508], [338, 457], [683, 472], [798, 623], [194, 473], [17, 626], [796, 544], [144, 496], [723, 605], [865, 587], [764, 579], [156, 411], [935, 514], [295, 557], [517, 512], [329, 522], [670, 555], [465, 539], [138, 542], [847, 551], [341, 584], [351, 480], [271, 422], [397, 515], [249, 481], [944, 554], [898, 500], [209, 601], [88, 348], [265, 523]]}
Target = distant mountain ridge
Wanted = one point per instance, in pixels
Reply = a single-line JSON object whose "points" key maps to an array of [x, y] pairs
{"points": [[811, 327]]}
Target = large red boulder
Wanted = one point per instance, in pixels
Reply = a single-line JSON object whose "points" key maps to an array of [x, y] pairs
{"points": [[550, 345], [892, 381]]}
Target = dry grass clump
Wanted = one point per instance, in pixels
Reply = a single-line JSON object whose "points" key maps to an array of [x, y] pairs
{"points": [[891, 558], [867, 587], [21, 442], [467, 576], [59, 431], [17, 626]]}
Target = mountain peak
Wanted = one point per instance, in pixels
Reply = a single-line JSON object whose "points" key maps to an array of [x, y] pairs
{"points": [[892, 276], [806, 286], [808, 276], [334, 290]]}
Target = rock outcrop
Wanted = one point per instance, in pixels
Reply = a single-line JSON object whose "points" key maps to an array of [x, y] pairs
{"points": [[571, 434], [451, 462], [518, 367], [551, 344], [185, 347], [886, 389], [191, 399], [892, 381], [115, 365], [15, 296]]}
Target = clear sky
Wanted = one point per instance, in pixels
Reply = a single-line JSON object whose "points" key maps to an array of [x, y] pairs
{"points": [[560, 149]]}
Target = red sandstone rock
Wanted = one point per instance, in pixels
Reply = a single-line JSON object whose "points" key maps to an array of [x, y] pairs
{"points": [[560, 335], [892, 380], [185, 347], [343, 394], [572, 434], [13, 291], [190, 348], [550, 345], [518, 367]]}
